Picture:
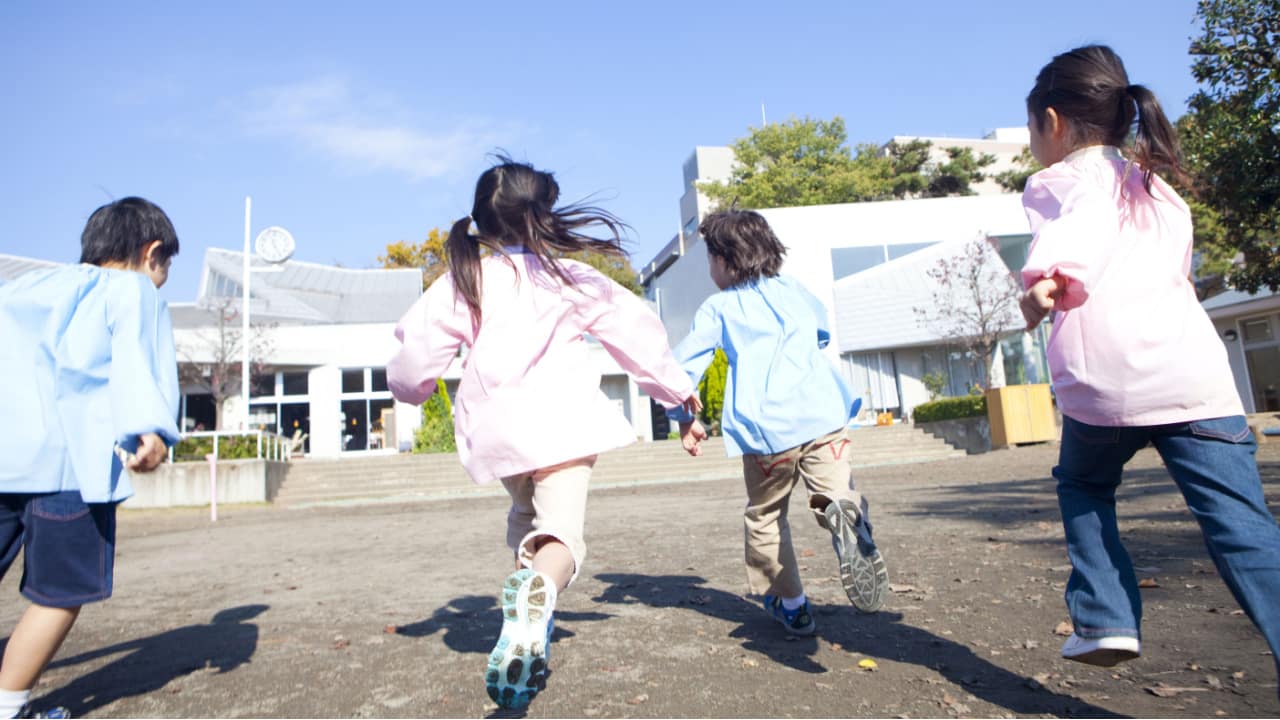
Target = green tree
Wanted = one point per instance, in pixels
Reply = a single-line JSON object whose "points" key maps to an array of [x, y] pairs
{"points": [[806, 162], [435, 435], [1015, 178], [711, 391], [955, 176], [1231, 138], [430, 256]]}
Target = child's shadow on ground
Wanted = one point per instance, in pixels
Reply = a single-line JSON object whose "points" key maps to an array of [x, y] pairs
{"points": [[471, 624], [225, 643], [881, 635]]}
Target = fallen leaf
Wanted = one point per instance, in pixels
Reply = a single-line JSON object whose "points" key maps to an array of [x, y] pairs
{"points": [[1030, 644], [637, 700], [341, 643], [1148, 583], [390, 629], [868, 664], [1237, 612], [1213, 682], [1238, 675], [1060, 568], [1063, 628], [903, 588], [749, 663], [807, 552]]}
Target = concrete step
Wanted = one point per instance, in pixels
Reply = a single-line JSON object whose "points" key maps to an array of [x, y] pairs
{"points": [[390, 478]]}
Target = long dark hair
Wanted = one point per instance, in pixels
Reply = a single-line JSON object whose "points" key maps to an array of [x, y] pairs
{"points": [[515, 204], [1089, 87]]}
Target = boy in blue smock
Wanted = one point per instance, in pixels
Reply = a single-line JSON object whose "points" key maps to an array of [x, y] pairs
{"points": [[88, 387], [785, 412]]}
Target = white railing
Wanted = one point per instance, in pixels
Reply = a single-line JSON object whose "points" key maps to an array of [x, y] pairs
{"points": [[270, 446]]}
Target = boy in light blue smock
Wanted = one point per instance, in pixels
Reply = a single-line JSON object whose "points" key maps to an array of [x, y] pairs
{"points": [[88, 387], [785, 412]]}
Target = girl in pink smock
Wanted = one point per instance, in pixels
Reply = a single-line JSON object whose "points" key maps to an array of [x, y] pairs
{"points": [[1134, 358], [529, 411]]}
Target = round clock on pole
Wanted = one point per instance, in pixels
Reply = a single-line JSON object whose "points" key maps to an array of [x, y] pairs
{"points": [[275, 245]]}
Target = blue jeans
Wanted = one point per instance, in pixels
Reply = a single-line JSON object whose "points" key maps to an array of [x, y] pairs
{"points": [[1212, 461]]}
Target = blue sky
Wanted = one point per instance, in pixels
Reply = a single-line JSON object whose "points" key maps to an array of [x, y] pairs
{"points": [[358, 124]]}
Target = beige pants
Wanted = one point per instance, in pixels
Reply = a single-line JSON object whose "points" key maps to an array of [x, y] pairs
{"points": [[824, 466], [551, 502]]}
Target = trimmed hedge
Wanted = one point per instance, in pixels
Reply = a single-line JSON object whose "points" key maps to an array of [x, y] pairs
{"points": [[232, 447], [951, 408]]}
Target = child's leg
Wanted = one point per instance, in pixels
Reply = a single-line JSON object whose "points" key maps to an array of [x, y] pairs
{"points": [[826, 468], [553, 543], [35, 640], [1102, 591], [771, 560], [1213, 463]]}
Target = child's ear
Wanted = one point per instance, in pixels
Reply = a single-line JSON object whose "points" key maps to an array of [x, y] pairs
{"points": [[1055, 124], [151, 254]]}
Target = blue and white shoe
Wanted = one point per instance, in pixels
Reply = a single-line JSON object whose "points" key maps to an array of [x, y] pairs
{"points": [[862, 571], [798, 621], [517, 669]]}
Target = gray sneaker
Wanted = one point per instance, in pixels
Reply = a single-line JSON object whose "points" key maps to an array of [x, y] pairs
{"points": [[862, 572]]}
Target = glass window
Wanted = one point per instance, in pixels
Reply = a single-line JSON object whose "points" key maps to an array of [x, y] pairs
{"points": [[295, 383], [1258, 330], [355, 424], [353, 381], [897, 251], [1264, 375], [847, 261], [378, 380]]}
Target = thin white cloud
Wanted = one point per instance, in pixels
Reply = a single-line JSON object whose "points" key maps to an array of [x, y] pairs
{"points": [[371, 132]]}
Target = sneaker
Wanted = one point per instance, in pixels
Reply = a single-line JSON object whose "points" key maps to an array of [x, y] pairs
{"points": [[798, 621], [1104, 651], [862, 572], [517, 668], [53, 712]]}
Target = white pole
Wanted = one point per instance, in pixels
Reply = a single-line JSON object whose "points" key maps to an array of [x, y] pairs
{"points": [[244, 324], [764, 121]]}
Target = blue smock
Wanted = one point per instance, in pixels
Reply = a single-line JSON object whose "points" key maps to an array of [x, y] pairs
{"points": [[87, 362]]}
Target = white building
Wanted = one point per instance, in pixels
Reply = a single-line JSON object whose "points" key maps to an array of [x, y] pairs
{"points": [[1249, 326]]}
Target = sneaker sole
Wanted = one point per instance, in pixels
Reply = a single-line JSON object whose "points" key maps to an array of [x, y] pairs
{"points": [[1104, 657], [517, 669], [863, 574]]}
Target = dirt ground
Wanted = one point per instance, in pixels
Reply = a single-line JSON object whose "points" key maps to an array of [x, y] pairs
{"points": [[390, 610]]}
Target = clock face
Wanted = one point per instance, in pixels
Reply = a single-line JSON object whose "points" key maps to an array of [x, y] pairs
{"points": [[275, 244]]}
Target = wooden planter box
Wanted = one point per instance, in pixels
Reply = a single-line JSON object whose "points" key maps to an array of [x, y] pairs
{"points": [[1021, 414]]}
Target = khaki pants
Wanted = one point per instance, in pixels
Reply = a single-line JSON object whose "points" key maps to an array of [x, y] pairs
{"points": [[551, 502], [824, 466]]}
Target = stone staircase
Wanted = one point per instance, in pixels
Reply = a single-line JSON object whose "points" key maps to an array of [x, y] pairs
{"points": [[409, 478]]}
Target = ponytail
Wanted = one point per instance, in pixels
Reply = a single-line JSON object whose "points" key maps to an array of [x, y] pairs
{"points": [[463, 255], [1155, 145]]}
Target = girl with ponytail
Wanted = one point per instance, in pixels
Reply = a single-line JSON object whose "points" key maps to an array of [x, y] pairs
{"points": [[1134, 358], [529, 411]]}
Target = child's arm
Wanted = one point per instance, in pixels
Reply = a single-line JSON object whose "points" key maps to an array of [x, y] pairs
{"points": [[1075, 225], [1040, 298], [143, 378], [430, 333], [635, 338], [695, 353]]}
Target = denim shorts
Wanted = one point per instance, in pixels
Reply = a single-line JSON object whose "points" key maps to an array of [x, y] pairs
{"points": [[68, 546]]}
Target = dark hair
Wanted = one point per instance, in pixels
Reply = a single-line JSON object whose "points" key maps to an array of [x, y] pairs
{"points": [[1089, 87], [120, 231], [745, 242], [515, 203]]}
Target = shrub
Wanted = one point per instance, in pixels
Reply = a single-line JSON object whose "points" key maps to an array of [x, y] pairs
{"points": [[233, 447], [435, 435], [951, 408], [935, 383], [711, 392]]}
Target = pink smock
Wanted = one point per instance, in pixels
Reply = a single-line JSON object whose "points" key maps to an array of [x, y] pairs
{"points": [[1130, 344], [529, 396]]}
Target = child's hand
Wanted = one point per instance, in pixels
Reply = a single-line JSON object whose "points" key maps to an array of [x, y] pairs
{"points": [[1039, 300], [691, 436], [692, 404], [151, 452]]}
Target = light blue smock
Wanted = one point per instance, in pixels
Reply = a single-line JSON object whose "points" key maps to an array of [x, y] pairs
{"points": [[86, 362], [781, 390]]}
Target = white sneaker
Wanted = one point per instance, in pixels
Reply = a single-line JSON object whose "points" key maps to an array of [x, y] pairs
{"points": [[1104, 651]]}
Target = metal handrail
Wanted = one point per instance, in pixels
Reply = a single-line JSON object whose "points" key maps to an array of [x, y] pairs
{"points": [[276, 447]]}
